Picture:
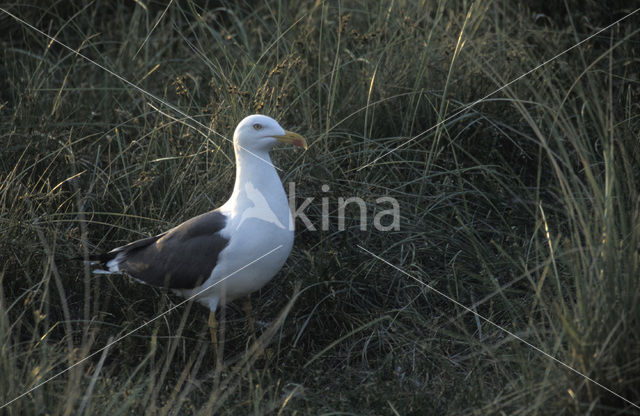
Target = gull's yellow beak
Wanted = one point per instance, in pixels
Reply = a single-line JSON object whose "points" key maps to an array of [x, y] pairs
{"points": [[292, 138]]}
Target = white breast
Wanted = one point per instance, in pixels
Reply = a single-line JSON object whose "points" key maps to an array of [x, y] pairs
{"points": [[260, 231]]}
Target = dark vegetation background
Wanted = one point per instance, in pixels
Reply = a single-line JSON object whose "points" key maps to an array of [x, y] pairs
{"points": [[524, 207]]}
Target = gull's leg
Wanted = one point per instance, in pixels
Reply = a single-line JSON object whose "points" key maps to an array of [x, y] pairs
{"points": [[218, 347], [213, 330], [248, 310]]}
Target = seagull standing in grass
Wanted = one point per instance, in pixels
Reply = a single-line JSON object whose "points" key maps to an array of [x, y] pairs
{"points": [[231, 251]]}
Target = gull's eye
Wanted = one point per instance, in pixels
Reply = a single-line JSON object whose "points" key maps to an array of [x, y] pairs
{"points": [[257, 126]]}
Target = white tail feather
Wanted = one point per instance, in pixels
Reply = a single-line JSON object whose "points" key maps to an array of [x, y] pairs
{"points": [[113, 266]]}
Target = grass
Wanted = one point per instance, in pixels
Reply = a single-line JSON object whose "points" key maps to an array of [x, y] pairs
{"points": [[524, 208]]}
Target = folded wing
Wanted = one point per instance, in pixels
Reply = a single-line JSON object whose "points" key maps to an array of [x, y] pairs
{"points": [[181, 258]]}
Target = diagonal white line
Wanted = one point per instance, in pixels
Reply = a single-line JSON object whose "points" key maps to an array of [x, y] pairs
{"points": [[136, 329], [465, 108], [527, 343], [126, 81]]}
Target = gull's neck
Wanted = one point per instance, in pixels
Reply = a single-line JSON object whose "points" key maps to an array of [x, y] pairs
{"points": [[255, 169]]}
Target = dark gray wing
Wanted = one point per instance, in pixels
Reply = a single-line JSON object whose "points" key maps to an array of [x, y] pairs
{"points": [[181, 258]]}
